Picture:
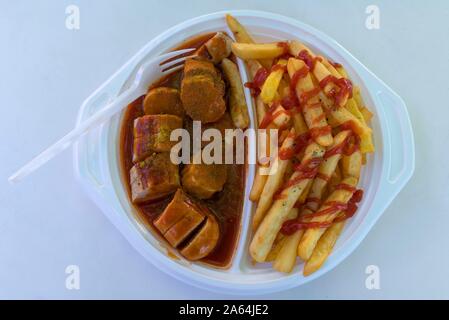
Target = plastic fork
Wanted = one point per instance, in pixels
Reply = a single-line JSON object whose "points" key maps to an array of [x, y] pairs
{"points": [[148, 72]]}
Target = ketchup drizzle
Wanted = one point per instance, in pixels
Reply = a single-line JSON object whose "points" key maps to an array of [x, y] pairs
{"points": [[258, 81], [306, 96], [271, 115], [306, 170], [284, 45], [298, 146], [348, 210], [292, 100], [344, 85], [320, 131], [305, 56], [345, 186]]}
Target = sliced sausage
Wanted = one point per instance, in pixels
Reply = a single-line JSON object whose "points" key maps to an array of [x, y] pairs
{"points": [[153, 178], [204, 241]]}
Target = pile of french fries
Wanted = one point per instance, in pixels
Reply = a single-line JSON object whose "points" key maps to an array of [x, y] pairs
{"points": [[285, 194]]}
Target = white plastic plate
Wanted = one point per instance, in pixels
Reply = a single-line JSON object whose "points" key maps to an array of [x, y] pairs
{"points": [[388, 170]]}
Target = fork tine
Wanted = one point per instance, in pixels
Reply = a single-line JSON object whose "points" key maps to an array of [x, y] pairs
{"points": [[175, 63], [168, 57], [173, 69]]}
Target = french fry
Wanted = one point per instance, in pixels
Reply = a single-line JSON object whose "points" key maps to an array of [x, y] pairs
{"points": [[335, 179], [325, 170], [253, 51], [237, 100], [328, 105], [322, 68], [258, 184], [299, 123], [320, 72], [367, 115], [239, 31], [282, 117], [351, 105], [313, 113], [325, 244], [295, 47], [270, 87], [259, 178], [242, 36], [323, 248], [311, 236], [366, 141], [280, 238], [293, 214], [277, 245], [288, 172], [331, 68], [253, 67], [273, 182], [302, 199], [341, 70], [357, 96], [284, 134], [339, 116], [335, 72], [261, 109], [352, 165], [284, 88], [271, 224], [286, 257]]}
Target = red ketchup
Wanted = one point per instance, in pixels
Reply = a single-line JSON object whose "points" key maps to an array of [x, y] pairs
{"points": [[338, 149], [353, 141], [306, 170], [258, 81], [320, 131], [292, 100], [299, 74], [352, 206], [345, 186], [344, 85], [335, 64], [271, 115], [310, 61], [277, 67], [348, 210], [285, 47], [306, 96], [323, 176], [299, 145]]}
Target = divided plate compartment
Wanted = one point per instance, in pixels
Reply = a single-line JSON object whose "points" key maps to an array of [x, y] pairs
{"points": [[96, 159]]}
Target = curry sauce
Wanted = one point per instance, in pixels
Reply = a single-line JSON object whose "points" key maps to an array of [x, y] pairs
{"points": [[226, 205]]}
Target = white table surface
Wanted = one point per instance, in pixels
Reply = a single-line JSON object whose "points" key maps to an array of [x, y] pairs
{"points": [[48, 223]]}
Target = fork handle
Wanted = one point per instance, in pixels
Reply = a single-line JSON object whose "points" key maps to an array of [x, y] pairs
{"points": [[96, 119]]}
